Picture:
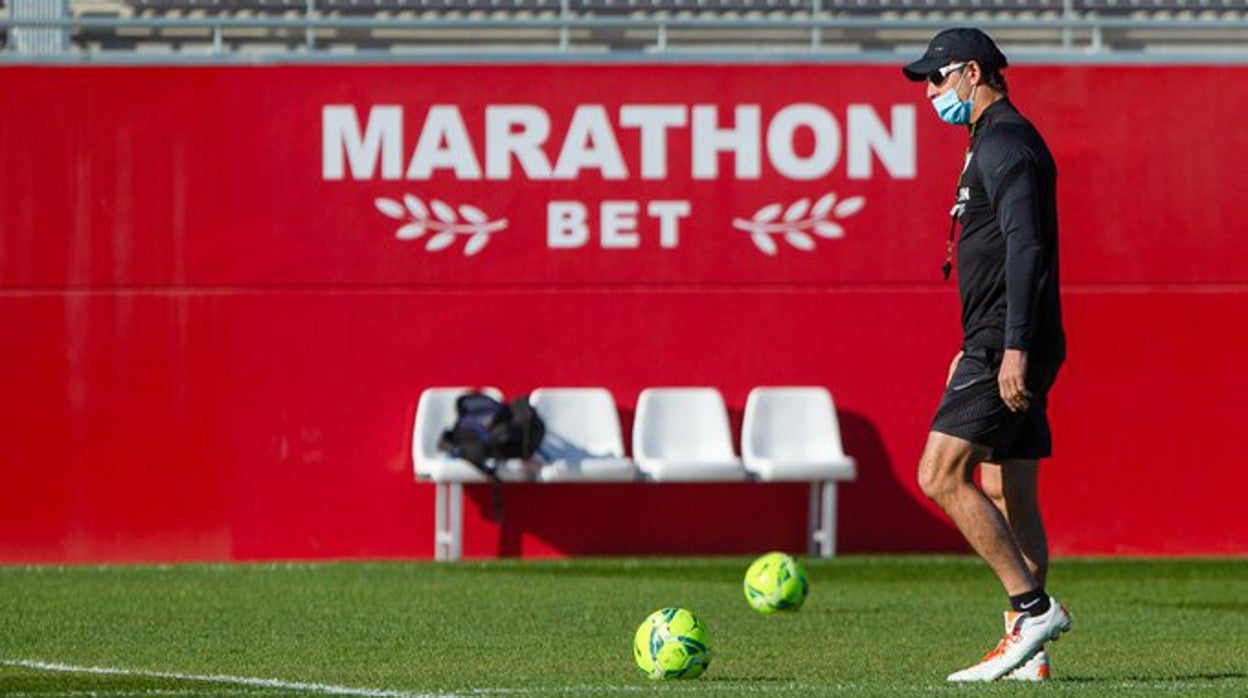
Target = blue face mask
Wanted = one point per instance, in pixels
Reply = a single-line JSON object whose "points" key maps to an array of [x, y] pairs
{"points": [[953, 110]]}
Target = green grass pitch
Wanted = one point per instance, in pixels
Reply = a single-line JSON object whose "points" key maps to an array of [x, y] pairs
{"points": [[871, 626]]}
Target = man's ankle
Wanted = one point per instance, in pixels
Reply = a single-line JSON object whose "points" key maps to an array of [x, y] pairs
{"points": [[1033, 603]]}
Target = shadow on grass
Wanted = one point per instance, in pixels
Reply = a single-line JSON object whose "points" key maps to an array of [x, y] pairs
{"points": [[1218, 606], [36, 683], [727, 571], [1174, 678], [750, 679]]}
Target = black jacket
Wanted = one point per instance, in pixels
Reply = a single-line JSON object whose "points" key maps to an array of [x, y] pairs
{"points": [[1007, 250]]}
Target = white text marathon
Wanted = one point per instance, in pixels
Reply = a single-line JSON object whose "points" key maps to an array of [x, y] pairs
{"points": [[800, 142]]}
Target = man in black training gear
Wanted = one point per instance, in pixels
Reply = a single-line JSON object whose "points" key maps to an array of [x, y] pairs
{"points": [[993, 411]]}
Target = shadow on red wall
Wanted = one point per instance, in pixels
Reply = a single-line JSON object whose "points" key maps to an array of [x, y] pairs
{"points": [[898, 516], [877, 512]]}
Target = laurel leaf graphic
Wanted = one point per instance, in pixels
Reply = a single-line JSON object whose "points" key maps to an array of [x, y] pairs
{"points": [[476, 243], [797, 210], [828, 229], [416, 207], [850, 206], [823, 205], [445, 213], [440, 241], [768, 213], [472, 214], [800, 240], [390, 208], [411, 231], [764, 243]]}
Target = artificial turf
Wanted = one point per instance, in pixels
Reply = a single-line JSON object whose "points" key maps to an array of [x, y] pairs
{"points": [[871, 626]]}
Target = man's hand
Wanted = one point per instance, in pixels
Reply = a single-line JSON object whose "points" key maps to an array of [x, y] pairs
{"points": [[1012, 378], [953, 366]]}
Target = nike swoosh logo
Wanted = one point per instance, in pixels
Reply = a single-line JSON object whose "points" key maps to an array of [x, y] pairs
{"points": [[1026, 606], [964, 386]]}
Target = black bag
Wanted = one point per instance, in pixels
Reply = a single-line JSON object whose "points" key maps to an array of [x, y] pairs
{"points": [[487, 431]]}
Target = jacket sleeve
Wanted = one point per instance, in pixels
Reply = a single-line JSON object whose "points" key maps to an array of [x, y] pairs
{"points": [[1009, 175]]}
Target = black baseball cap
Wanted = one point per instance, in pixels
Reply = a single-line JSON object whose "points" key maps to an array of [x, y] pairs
{"points": [[958, 44]]}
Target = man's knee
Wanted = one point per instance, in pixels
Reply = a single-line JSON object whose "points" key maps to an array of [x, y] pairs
{"points": [[939, 476], [945, 466], [934, 478]]}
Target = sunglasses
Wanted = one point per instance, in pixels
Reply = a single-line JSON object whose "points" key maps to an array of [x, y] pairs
{"points": [[937, 77]]}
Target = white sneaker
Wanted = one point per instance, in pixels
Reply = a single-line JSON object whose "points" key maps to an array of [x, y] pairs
{"points": [[1024, 637], [1036, 669]]}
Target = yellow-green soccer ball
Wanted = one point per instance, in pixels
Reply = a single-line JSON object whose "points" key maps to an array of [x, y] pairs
{"points": [[776, 582], [671, 644]]}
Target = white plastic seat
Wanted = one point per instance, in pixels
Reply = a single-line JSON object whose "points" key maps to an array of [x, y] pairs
{"points": [[792, 434], [435, 413], [682, 435], [583, 441]]}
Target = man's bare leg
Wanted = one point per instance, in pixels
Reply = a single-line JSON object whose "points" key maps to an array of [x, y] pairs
{"points": [[1012, 487], [946, 476]]}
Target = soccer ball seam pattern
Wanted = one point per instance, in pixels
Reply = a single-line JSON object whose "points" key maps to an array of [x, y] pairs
{"points": [[670, 644]]}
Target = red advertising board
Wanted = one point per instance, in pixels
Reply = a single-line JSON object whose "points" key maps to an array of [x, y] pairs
{"points": [[225, 287]]}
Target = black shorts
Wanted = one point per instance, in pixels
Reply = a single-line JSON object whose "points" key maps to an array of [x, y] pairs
{"points": [[972, 408]]}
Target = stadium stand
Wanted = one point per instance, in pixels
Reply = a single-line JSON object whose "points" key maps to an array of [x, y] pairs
{"points": [[225, 27]]}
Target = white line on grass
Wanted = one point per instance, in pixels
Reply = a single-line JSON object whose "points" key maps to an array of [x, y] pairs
{"points": [[116, 693], [1182, 686], [325, 688], [331, 689], [119, 694]]}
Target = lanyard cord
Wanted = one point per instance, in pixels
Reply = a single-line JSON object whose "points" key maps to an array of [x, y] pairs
{"points": [[953, 224], [954, 217]]}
